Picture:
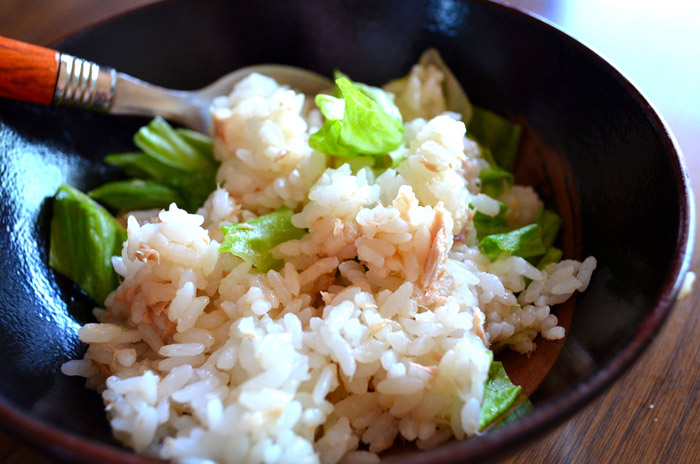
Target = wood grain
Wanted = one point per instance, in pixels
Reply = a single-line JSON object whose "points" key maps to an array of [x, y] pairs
{"points": [[27, 72], [652, 414]]}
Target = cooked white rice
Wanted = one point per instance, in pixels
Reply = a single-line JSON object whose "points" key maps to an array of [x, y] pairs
{"points": [[377, 327]]}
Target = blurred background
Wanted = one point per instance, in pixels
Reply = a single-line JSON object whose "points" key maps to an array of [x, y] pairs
{"points": [[654, 43], [653, 413]]}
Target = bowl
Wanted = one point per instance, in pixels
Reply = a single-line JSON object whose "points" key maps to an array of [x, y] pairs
{"points": [[593, 147]]}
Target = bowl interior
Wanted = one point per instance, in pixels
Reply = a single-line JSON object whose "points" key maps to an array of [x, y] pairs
{"points": [[593, 148]]}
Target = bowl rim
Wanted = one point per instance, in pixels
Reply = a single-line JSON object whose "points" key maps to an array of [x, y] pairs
{"points": [[74, 448]]}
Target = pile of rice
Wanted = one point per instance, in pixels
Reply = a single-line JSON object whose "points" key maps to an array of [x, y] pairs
{"points": [[378, 326]]}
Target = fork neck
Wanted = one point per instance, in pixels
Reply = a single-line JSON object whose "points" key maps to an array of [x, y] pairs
{"points": [[84, 84]]}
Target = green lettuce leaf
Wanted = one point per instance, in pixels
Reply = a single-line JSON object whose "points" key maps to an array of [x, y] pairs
{"points": [[166, 162], [328, 140], [129, 195], [519, 409], [84, 237], [137, 165], [193, 188], [495, 181], [254, 240], [499, 394], [203, 144], [333, 108], [365, 127], [384, 99], [525, 242], [499, 135], [488, 225], [163, 143]]}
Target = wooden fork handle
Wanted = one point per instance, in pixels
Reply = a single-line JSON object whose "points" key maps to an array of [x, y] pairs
{"points": [[27, 72]]}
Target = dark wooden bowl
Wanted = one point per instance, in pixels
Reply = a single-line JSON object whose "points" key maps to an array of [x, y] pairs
{"points": [[594, 148]]}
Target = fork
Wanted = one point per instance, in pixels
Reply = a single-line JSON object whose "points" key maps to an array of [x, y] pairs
{"points": [[43, 76]]}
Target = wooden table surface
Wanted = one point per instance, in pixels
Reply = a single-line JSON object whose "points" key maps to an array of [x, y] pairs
{"points": [[653, 413]]}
